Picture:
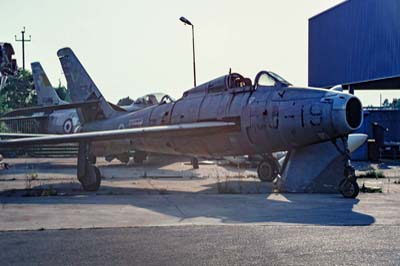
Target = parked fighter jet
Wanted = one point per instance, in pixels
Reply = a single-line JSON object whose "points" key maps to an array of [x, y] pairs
{"points": [[66, 121], [226, 116], [59, 121], [53, 120]]}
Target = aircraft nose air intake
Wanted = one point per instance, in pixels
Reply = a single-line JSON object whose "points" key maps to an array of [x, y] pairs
{"points": [[354, 113], [347, 115]]}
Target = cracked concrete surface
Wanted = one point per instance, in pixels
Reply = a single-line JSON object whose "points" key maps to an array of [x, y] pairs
{"points": [[167, 191]]}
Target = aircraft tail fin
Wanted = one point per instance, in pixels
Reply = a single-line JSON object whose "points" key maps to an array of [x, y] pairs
{"points": [[46, 94], [82, 88]]}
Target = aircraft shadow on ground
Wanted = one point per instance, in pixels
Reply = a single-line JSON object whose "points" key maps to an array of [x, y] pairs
{"points": [[48, 166], [312, 209]]}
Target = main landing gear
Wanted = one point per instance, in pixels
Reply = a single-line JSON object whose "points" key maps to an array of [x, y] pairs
{"points": [[139, 157], [268, 169], [194, 162], [88, 174]]}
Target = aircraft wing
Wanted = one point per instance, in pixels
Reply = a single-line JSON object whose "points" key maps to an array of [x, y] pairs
{"points": [[187, 129]]}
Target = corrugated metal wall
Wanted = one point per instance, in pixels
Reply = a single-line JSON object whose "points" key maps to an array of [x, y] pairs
{"points": [[356, 41]]}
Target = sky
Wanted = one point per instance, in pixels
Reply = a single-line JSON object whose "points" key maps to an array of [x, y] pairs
{"points": [[131, 48]]}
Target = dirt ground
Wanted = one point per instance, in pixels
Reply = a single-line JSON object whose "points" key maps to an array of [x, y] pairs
{"points": [[160, 174]]}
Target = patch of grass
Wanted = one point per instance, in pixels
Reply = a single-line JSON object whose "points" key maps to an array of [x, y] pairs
{"points": [[29, 178], [46, 192], [163, 191], [373, 174], [366, 189]]}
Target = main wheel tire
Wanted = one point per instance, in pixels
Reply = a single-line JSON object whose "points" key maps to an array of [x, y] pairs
{"points": [[93, 173], [139, 157], [349, 189], [267, 170], [92, 158], [194, 162], [123, 158]]}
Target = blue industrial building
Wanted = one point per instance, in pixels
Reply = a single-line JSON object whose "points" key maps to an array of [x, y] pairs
{"points": [[357, 44]]}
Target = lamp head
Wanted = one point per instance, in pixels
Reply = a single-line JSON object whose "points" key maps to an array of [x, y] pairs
{"points": [[186, 21]]}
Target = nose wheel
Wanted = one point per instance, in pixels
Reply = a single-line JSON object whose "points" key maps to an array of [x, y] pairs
{"points": [[349, 188], [268, 169]]}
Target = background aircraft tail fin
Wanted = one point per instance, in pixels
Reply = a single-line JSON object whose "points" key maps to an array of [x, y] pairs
{"points": [[82, 88], [46, 94]]}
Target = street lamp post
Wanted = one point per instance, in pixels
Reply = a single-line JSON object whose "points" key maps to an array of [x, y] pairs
{"points": [[187, 22]]}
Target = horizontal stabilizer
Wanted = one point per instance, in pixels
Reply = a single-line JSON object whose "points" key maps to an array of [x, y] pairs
{"points": [[32, 110]]}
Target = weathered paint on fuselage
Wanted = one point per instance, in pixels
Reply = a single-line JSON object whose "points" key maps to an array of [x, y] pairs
{"points": [[62, 122], [271, 119]]}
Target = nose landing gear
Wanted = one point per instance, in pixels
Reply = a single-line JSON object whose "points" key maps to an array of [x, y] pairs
{"points": [[348, 187]]}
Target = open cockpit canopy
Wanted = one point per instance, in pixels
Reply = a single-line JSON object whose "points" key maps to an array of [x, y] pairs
{"points": [[235, 80], [270, 79], [154, 98], [223, 83]]}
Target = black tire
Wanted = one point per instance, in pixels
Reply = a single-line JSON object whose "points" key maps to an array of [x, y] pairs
{"points": [[349, 189], [92, 159], [267, 170], [123, 158], [195, 163], [139, 157], [91, 186]]}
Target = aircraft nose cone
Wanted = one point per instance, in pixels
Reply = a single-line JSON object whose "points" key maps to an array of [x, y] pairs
{"points": [[347, 113]]}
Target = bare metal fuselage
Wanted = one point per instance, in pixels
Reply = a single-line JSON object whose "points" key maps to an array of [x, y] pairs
{"points": [[269, 119]]}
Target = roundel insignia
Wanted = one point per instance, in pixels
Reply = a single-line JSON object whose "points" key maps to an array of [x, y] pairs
{"points": [[67, 127]]}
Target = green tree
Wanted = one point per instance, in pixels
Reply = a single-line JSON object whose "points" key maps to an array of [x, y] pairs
{"points": [[3, 109], [3, 105], [62, 92], [18, 93], [386, 103], [396, 103]]}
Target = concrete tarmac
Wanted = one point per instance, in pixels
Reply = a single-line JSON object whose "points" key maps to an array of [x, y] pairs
{"points": [[205, 245], [168, 214]]}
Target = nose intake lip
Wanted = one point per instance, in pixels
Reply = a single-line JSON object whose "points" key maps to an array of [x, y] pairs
{"points": [[347, 114]]}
